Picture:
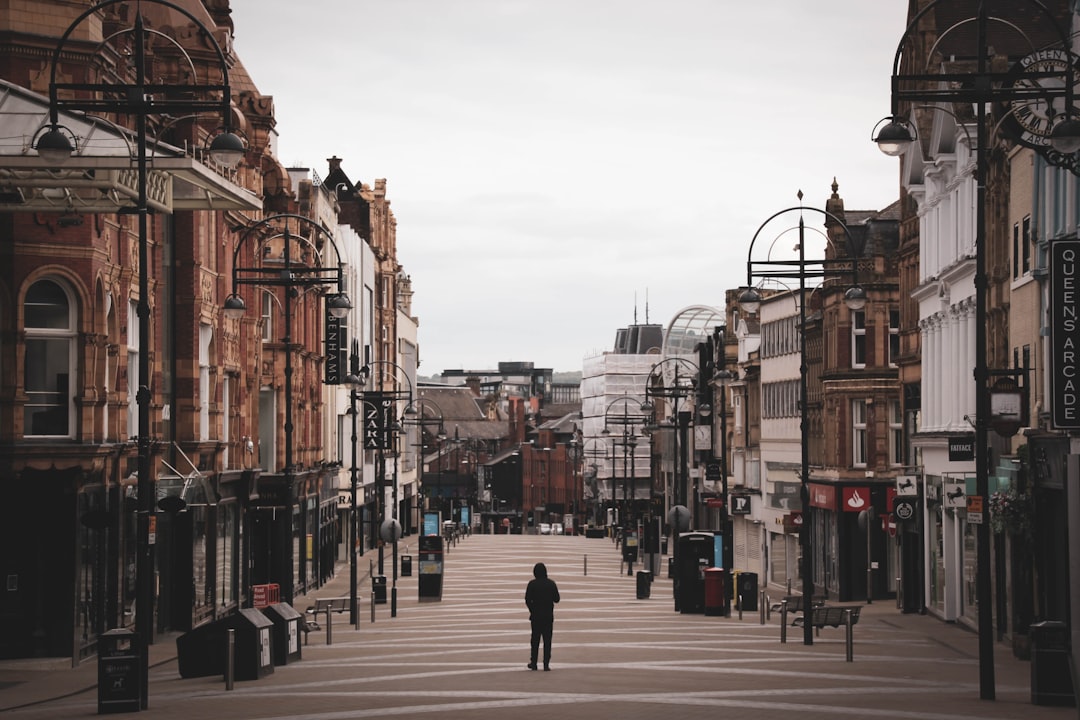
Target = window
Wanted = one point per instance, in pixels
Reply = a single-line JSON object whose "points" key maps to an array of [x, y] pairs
{"points": [[267, 316], [894, 336], [896, 434], [50, 361], [206, 334], [1022, 248], [858, 339], [133, 369], [780, 399], [858, 434], [1025, 240]]}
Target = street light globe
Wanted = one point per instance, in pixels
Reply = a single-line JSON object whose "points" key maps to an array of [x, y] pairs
{"points": [[235, 307], [894, 137], [54, 146], [855, 298], [750, 301], [1065, 137], [339, 305], [227, 149]]}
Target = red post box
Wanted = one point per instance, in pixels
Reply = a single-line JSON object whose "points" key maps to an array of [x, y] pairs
{"points": [[714, 591]]}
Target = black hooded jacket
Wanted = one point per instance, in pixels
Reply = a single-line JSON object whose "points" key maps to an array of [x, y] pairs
{"points": [[541, 595]]}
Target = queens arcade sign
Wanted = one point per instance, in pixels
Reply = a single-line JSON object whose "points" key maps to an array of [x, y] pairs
{"points": [[1064, 319]]}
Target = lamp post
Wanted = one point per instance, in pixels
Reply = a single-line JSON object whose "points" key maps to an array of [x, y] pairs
{"points": [[596, 450], [720, 380], [418, 414], [355, 381], [628, 441], [675, 379], [290, 273], [381, 430], [1038, 94], [750, 300], [140, 99], [573, 454]]}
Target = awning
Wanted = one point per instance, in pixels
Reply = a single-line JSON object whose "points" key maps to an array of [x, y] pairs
{"points": [[102, 176]]}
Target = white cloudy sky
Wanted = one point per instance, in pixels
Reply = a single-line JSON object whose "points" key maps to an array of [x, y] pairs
{"points": [[553, 163]]}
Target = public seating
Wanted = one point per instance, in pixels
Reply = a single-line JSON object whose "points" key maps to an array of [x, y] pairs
{"points": [[845, 616], [793, 605], [321, 607]]}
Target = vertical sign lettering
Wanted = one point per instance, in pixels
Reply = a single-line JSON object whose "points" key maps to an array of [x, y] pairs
{"points": [[335, 344], [378, 420], [1064, 310]]}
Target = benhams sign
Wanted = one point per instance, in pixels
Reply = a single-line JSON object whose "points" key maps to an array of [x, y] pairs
{"points": [[1064, 310]]}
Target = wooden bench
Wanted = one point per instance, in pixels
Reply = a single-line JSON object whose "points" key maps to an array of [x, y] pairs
{"points": [[322, 606]]}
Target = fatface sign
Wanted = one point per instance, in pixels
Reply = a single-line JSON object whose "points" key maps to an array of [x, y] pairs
{"points": [[962, 448], [1064, 311]]}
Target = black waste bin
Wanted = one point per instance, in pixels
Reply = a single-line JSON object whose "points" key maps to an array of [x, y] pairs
{"points": [[746, 586], [201, 651], [378, 588], [286, 633], [119, 669], [1051, 680], [406, 566], [644, 584]]}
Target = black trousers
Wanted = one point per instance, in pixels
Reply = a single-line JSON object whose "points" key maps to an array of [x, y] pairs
{"points": [[541, 629]]}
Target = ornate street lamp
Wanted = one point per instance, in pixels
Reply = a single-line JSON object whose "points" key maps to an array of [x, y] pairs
{"points": [[381, 430], [1037, 93], [750, 300], [290, 272], [627, 439], [141, 98]]}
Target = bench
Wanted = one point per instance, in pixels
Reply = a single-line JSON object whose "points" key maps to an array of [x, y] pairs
{"points": [[834, 615], [794, 604], [845, 616], [322, 606]]}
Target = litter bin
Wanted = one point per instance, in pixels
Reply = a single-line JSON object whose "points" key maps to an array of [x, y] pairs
{"points": [[644, 583], [715, 602], [378, 587], [1051, 681], [201, 651], [119, 684], [286, 632], [406, 566], [746, 585]]}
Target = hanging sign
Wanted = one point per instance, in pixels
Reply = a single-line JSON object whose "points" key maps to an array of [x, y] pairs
{"points": [[1063, 309]]}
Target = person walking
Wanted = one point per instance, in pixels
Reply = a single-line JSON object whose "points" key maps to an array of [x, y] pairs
{"points": [[540, 597]]}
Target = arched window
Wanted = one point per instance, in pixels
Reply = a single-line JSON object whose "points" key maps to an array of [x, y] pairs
{"points": [[50, 361]]}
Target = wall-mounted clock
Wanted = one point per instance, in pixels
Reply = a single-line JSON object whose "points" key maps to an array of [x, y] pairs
{"points": [[1038, 81]]}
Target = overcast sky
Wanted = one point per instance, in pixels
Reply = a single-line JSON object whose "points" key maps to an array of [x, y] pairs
{"points": [[557, 167]]}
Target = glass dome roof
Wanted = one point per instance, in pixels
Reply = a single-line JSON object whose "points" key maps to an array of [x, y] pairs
{"points": [[690, 326]]}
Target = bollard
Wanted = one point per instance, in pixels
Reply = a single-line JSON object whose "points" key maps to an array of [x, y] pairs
{"points": [[585, 563], [329, 628], [739, 605], [783, 621], [762, 605], [850, 636], [372, 604], [230, 663], [393, 601]]}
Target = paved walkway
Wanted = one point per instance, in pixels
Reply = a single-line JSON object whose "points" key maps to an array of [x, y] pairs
{"points": [[614, 657]]}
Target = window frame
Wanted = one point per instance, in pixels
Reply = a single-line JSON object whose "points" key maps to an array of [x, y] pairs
{"points": [[35, 334]]}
